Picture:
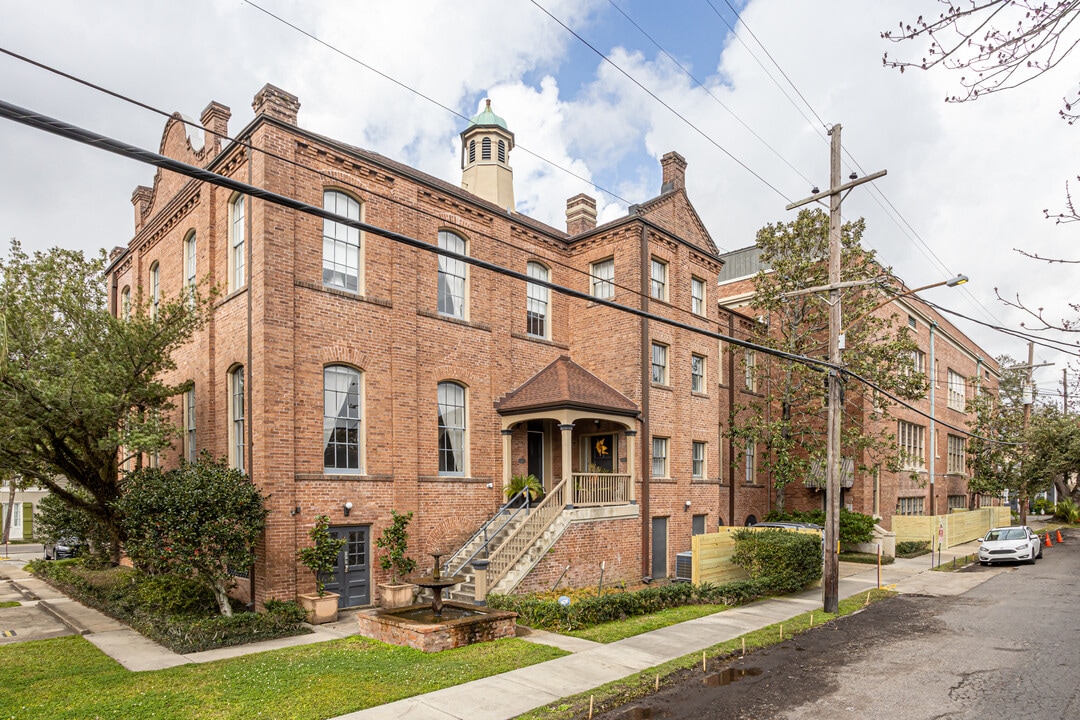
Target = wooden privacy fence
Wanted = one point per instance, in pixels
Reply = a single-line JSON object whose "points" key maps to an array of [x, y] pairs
{"points": [[712, 555], [959, 527]]}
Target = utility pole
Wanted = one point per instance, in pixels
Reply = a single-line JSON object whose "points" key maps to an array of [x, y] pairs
{"points": [[836, 193], [1065, 390], [1029, 398]]}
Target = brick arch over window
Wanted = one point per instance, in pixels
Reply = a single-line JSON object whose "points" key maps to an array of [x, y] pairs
{"points": [[460, 375], [343, 356]]}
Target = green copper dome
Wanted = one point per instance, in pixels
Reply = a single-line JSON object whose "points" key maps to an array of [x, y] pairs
{"points": [[487, 117]]}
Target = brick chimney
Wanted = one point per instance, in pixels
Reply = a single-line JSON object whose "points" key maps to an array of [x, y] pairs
{"points": [[140, 198], [674, 172], [580, 214], [215, 118], [276, 103]]}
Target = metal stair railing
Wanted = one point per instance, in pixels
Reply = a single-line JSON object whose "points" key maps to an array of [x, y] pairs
{"points": [[524, 535], [487, 533]]}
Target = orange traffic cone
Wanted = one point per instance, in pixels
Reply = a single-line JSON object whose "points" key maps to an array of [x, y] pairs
{"points": [[1048, 543], [1059, 536]]}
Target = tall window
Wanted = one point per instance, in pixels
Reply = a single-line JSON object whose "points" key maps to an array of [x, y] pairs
{"points": [[189, 265], [603, 279], [697, 296], [537, 301], [658, 285], [749, 362], [910, 506], [659, 457], [451, 429], [125, 303], [236, 413], [451, 276], [155, 289], [751, 462], [910, 439], [698, 468], [957, 462], [341, 418], [957, 391], [236, 242], [918, 361], [659, 364], [341, 243], [190, 453], [697, 373]]}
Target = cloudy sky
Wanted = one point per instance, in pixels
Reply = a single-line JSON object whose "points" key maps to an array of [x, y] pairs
{"points": [[966, 183]]}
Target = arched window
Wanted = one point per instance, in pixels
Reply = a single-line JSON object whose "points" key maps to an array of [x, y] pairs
{"points": [[472, 151], [341, 243], [155, 289], [190, 454], [237, 437], [125, 303], [452, 436], [236, 243], [451, 276], [485, 149], [341, 419], [189, 264], [502, 151], [536, 311]]}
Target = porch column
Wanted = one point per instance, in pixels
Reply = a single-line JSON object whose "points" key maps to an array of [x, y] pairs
{"points": [[508, 465], [631, 466], [567, 438]]}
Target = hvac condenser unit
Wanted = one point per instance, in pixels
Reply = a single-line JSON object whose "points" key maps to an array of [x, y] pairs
{"points": [[684, 563]]}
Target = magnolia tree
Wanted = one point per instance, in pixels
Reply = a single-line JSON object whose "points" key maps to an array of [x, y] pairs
{"points": [[786, 416], [198, 521]]}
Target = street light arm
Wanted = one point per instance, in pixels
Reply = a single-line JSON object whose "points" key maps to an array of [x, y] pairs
{"points": [[952, 282]]}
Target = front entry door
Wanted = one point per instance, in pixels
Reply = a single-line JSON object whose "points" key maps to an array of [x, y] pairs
{"points": [[659, 547], [352, 575], [535, 438]]}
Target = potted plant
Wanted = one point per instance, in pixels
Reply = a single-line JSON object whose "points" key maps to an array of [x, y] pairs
{"points": [[529, 483], [394, 544], [321, 559]]}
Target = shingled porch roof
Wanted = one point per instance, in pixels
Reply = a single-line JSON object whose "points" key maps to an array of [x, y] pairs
{"points": [[565, 384]]}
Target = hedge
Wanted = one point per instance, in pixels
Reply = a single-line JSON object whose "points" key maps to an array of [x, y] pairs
{"points": [[787, 560], [854, 527]]}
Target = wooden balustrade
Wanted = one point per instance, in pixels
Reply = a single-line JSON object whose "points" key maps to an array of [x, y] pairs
{"points": [[593, 489]]}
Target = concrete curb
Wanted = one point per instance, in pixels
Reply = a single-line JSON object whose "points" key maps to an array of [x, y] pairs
{"points": [[62, 617]]}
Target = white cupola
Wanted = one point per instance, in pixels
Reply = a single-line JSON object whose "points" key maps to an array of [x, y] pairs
{"points": [[485, 159]]}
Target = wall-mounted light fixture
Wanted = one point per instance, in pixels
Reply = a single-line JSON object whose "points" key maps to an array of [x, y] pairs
{"points": [[347, 508], [686, 506], [295, 510]]}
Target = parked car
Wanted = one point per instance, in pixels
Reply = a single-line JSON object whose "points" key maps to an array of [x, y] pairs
{"points": [[789, 525], [1016, 543], [62, 548]]}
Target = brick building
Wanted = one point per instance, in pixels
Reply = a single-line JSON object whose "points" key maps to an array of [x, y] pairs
{"points": [[351, 375], [935, 473]]}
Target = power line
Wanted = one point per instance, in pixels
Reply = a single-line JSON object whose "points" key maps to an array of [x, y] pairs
{"points": [[1043, 342]]}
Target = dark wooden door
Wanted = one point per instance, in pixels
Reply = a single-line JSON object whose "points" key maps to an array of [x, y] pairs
{"points": [[352, 575], [659, 547]]}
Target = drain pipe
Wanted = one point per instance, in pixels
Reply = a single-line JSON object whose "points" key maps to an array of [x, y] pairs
{"points": [[646, 437]]}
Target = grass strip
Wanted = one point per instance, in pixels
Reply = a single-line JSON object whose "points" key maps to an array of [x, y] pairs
{"points": [[957, 563], [867, 558], [68, 678], [609, 632], [10, 603], [620, 692]]}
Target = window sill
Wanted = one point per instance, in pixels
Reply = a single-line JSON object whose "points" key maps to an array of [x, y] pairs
{"points": [[345, 294], [538, 340], [230, 296], [593, 303], [699, 394], [453, 320], [663, 480], [455, 479], [706, 481], [660, 386], [342, 477]]}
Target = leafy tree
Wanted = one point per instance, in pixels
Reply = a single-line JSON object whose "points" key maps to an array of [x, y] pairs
{"points": [[395, 543], [56, 519], [321, 556], [81, 390], [787, 417], [997, 424], [198, 520], [1053, 444]]}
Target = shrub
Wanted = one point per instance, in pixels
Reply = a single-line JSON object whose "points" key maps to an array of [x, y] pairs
{"points": [[1067, 510], [912, 548], [788, 560], [854, 527], [395, 543], [174, 595], [321, 557]]}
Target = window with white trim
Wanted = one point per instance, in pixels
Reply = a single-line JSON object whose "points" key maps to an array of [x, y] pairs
{"points": [[918, 361], [603, 279], [659, 364], [536, 311], [236, 243], [957, 450], [749, 375], [659, 457], [658, 279], [697, 373], [125, 303], [155, 289], [238, 441], [910, 441], [189, 265], [698, 460], [341, 419], [750, 461], [452, 435], [697, 296], [190, 452], [341, 243], [957, 391], [910, 506], [451, 276]]}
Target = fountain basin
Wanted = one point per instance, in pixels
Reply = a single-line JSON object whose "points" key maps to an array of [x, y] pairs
{"points": [[461, 624]]}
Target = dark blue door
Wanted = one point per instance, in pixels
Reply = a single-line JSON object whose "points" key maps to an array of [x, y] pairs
{"points": [[352, 575]]}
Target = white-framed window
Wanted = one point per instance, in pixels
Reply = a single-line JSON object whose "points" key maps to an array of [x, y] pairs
{"points": [[341, 419], [155, 289], [658, 279], [957, 391], [749, 376], [189, 265], [697, 296], [190, 452], [659, 457], [910, 440], [750, 459], [536, 310], [910, 506], [918, 361], [341, 243], [698, 460], [957, 502], [451, 276], [452, 430], [237, 437], [659, 364], [125, 303], [957, 450], [237, 276], [697, 373], [603, 279]]}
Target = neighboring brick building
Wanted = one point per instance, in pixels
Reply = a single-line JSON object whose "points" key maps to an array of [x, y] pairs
{"points": [[935, 479], [351, 375]]}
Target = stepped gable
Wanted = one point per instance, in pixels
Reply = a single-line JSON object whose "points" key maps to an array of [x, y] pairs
{"points": [[564, 383]]}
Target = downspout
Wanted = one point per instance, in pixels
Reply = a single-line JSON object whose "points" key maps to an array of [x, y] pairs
{"points": [[933, 425], [250, 374], [646, 436], [731, 421]]}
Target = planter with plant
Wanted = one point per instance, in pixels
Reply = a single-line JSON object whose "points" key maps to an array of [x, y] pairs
{"points": [[395, 543], [529, 484], [321, 559]]}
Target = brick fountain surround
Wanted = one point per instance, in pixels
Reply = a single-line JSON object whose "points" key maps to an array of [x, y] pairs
{"points": [[479, 625]]}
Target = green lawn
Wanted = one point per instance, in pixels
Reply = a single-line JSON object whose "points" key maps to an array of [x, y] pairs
{"points": [[10, 603], [69, 678], [619, 629]]}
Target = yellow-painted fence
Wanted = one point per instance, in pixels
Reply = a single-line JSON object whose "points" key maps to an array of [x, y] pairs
{"points": [[712, 555], [955, 529]]}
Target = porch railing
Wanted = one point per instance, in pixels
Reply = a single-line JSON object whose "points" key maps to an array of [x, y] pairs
{"points": [[520, 503], [521, 539], [593, 489]]}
